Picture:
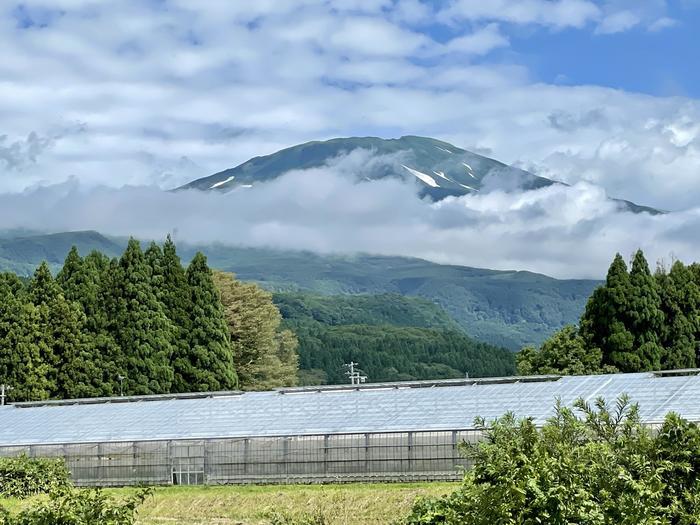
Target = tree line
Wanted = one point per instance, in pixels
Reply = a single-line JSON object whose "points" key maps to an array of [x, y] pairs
{"points": [[392, 337], [138, 324], [636, 321]]}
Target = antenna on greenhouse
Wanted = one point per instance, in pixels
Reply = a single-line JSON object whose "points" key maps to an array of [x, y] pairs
{"points": [[355, 375], [121, 384], [3, 393]]}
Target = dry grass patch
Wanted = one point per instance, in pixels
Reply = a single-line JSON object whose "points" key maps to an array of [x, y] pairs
{"points": [[351, 504]]}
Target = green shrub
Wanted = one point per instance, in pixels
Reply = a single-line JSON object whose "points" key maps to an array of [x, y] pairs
{"points": [[79, 507], [22, 476], [601, 467]]}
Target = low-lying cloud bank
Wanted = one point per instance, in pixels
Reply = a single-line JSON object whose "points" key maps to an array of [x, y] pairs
{"points": [[560, 231]]}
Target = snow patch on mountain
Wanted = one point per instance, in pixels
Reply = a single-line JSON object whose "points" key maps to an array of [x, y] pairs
{"points": [[443, 149], [442, 174], [221, 183], [422, 176], [469, 170]]}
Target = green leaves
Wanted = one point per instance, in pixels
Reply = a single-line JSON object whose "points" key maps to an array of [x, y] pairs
{"points": [[135, 325], [600, 467], [206, 363], [80, 507], [563, 353], [22, 476], [635, 322], [264, 354]]}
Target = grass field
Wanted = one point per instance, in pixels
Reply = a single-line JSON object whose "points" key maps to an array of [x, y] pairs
{"points": [[347, 504]]}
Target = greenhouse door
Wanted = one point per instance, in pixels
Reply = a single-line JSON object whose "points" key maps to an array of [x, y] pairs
{"points": [[187, 461]]}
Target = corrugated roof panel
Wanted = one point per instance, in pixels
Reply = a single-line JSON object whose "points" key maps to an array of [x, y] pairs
{"points": [[303, 412]]}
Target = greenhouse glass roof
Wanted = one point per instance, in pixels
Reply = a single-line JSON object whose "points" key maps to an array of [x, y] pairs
{"points": [[390, 407]]}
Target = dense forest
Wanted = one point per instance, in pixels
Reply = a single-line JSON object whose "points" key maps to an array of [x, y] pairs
{"points": [[504, 308], [142, 323], [138, 324], [636, 321], [393, 337]]}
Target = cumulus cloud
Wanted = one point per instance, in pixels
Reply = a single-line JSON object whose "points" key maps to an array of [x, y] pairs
{"points": [[649, 159], [217, 83], [21, 153], [556, 13], [479, 42], [563, 231], [149, 95]]}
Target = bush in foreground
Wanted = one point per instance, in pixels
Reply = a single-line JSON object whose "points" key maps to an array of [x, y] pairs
{"points": [[22, 476], [79, 507], [595, 466]]}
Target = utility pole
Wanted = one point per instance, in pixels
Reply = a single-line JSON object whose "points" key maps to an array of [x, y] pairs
{"points": [[3, 393], [355, 376]]}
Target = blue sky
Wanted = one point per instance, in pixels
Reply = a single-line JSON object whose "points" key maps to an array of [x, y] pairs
{"points": [[601, 94], [657, 63], [164, 91]]}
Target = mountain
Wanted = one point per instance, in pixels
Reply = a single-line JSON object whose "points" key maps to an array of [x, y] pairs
{"points": [[374, 310], [393, 337], [442, 169], [504, 308], [22, 252]]}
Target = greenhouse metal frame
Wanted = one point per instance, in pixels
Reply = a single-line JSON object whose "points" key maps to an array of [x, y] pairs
{"points": [[406, 431], [396, 456]]}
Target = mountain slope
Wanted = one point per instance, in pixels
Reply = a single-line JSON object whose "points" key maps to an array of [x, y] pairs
{"points": [[374, 310], [392, 337], [505, 308], [22, 254], [442, 169]]}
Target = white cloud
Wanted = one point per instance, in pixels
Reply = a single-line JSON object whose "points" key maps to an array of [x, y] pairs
{"points": [[662, 23], [155, 93], [555, 13], [618, 22], [369, 36], [562, 231], [479, 42]]}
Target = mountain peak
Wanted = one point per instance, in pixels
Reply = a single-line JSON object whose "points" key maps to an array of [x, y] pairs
{"points": [[441, 169]]}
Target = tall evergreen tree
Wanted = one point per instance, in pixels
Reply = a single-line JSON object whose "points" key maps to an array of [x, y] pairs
{"points": [[177, 300], [10, 284], [81, 281], [680, 302], [645, 316], [207, 364], [77, 374], [154, 260], [23, 352], [604, 324], [139, 325], [176, 297]]}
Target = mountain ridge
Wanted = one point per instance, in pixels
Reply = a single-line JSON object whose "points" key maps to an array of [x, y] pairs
{"points": [[503, 308], [441, 168]]}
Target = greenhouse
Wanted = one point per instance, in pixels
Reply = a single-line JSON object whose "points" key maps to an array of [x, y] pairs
{"points": [[389, 431]]}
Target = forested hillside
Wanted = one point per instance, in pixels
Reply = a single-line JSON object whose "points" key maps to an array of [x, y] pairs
{"points": [[394, 338], [504, 308], [142, 323], [139, 324], [636, 321]]}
